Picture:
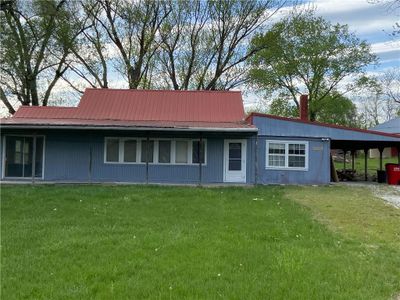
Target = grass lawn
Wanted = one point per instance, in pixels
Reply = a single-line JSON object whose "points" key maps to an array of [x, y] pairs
{"points": [[120, 242]]}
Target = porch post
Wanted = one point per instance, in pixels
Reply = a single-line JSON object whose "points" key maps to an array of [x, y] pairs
{"points": [[380, 158], [366, 164], [199, 155], [90, 162], [147, 157], [344, 159], [256, 160], [398, 155], [34, 158], [353, 152]]}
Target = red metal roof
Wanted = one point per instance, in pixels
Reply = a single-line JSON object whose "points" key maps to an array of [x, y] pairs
{"points": [[142, 108], [249, 119]]}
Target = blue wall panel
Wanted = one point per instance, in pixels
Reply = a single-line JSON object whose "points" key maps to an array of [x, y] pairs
{"points": [[274, 127], [318, 165], [67, 159]]}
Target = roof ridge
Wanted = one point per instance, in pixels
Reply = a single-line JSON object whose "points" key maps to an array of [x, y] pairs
{"points": [[169, 91]]}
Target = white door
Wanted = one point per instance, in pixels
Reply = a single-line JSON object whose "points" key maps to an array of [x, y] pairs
{"points": [[235, 161]]}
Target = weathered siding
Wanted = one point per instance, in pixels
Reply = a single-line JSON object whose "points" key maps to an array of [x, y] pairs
{"points": [[282, 128], [67, 159], [318, 164]]}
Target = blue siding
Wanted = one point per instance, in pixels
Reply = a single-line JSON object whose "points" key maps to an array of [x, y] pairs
{"points": [[318, 165], [67, 159], [274, 127]]}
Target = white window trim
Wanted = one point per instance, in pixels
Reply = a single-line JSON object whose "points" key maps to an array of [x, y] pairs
{"points": [[286, 167], [3, 171], [155, 151]]}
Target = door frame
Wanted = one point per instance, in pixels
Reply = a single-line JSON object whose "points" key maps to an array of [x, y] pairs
{"points": [[3, 155], [226, 158]]}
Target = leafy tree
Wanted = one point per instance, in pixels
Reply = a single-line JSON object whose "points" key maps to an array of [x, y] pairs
{"points": [[336, 109], [304, 53], [282, 107], [36, 38]]}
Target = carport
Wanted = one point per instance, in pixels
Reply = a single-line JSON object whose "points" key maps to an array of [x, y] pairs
{"points": [[365, 145]]}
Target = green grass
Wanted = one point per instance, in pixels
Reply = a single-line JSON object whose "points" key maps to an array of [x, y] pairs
{"points": [[359, 164], [120, 242]]}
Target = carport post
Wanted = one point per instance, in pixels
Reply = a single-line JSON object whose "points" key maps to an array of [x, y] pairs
{"points": [[366, 164], [380, 158], [398, 155], [353, 152], [344, 159]]}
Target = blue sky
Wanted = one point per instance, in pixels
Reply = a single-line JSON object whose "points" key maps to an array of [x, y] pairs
{"points": [[371, 22]]}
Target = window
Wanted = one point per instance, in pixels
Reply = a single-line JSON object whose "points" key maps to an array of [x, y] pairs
{"points": [[161, 151], [181, 152], [297, 155], [196, 152], [276, 155], [287, 155], [112, 150], [19, 156], [130, 150], [147, 151], [164, 152]]}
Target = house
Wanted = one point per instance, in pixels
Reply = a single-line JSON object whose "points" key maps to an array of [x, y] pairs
{"points": [[391, 126], [188, 137]]}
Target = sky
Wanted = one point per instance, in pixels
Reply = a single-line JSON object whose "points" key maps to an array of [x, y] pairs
{"points": [[370, 21]]}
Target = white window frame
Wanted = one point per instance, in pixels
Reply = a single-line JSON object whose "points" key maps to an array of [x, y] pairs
{"points": [[3, 171], [155, 151], [286, 143]]}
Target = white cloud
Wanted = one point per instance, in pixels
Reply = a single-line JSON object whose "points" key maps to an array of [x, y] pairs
{"points": [[387, 46]]}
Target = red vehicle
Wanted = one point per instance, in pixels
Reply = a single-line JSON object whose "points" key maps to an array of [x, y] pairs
{"points": [[393, 173]]}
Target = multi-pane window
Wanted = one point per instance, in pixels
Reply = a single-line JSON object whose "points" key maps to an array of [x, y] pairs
{"points": [[276, 155], [164, 152], [130, 150], [287, 154], [112, 150], [297, 156], [160, 151], [181, 152]]}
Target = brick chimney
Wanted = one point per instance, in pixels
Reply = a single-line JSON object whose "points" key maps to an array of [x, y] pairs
{"points": [[304, 107]]}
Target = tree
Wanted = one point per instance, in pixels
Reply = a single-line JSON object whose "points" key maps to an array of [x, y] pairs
{"points": [[132, 27], [280, 106], [204, 43], [390, 6], [90, 58], [333, 109], [390, 83], [336, 109], [36, 38], [304, 53]]}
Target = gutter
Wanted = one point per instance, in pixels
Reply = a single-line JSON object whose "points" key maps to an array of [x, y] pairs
{"points": [[189, 129]]}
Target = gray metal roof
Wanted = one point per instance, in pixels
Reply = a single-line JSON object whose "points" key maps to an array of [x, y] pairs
{"points": [[391, 126]]}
